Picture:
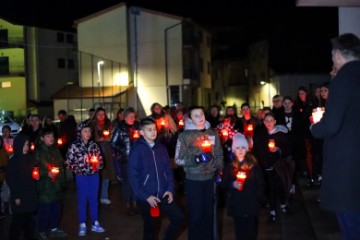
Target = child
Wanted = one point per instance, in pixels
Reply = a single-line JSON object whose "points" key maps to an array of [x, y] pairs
{"points": [[270, 148], [50, 185], [7, 140], [84, 159], [199, 151], [243, 205], [151, 178], [23, 196]]}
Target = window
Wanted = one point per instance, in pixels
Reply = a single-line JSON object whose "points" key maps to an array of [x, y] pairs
{"points": [[69, 38], [70, 64], [4, 65], [60, 37], [61, 63]]}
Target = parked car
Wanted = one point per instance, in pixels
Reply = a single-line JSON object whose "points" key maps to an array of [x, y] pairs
{"points": [[5, 119]]}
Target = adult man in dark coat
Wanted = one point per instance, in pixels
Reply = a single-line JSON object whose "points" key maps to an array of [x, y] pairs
{"points": [[340, 128]]}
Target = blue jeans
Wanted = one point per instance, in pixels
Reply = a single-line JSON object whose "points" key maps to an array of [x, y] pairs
{"points": [[88, 190], [349, 225]]}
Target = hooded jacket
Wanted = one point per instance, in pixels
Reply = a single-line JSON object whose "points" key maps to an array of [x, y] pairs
{"points": [[188, 147], [19, 178], [149, 170]]}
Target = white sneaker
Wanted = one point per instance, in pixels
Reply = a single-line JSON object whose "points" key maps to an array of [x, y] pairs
{"points": [[292, 189], [105, 201], [97, 228]]}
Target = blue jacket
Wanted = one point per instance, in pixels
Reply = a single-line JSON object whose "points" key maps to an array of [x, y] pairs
{"points": [[149, 170]]}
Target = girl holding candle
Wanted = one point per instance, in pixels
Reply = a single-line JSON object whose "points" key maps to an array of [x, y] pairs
{"points": [[124, 136], [23, 196], [243, 196], [102, 135], [50, 185], [84, 159], [8, 140], [268, 155], [4, 158]]}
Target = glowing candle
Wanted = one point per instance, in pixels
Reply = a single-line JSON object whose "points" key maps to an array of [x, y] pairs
{"points": [[206, 146], [317, 114], [136, 135], [181, 122], [94, 162], [155, 211], [250, 128], [35, 173], [162, 122], [271, 145], [10, 149], [106, 133], [241, 177], [55, 171], [59, 142], [32, 147], [224, 133]]}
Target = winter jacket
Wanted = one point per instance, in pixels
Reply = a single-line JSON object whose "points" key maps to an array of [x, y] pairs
{"points": [[188, 147], [18, 177], [340, 129], [44, 157], [79, 155], [149, 170], [246, 201]]}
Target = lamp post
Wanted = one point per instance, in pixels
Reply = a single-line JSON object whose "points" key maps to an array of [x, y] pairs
{"points": [[99, 63]]}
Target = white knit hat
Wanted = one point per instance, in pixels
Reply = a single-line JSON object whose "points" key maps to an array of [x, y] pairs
{"points": [[239, 140]]}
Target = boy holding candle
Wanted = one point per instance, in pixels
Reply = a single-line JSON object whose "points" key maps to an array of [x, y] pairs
{"points": [[151, 178], [201, 168], [244, 181], [50, 185], [84, 159]]}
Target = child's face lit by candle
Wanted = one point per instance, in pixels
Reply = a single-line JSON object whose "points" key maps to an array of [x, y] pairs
{"points": [[269, 122], [85, 134], [130, 119], [48, 139], [240, 153], [198, 118]]}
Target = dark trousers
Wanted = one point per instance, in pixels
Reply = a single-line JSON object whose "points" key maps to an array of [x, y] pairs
{"points": [[245, 227], [349, 225], [151, 224], [48, 216], [276, 189], [200, 200], [22, 223], [127, 192]]}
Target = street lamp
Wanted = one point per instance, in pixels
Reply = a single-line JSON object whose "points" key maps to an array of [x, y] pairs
{"points": [[99, 63]]}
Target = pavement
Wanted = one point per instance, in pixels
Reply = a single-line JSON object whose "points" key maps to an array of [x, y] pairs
{"points": [[307, 222]]}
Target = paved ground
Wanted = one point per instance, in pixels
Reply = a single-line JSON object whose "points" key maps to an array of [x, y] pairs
{"points": [[308, 222]]}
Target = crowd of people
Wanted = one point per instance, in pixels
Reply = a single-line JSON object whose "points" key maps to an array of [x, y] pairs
{"points": [[243, 162]]}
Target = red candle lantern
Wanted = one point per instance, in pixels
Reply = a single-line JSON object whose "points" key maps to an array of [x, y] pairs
{"points": [[181, 122], [94, 162], [60, 142], [206, 146], [35, 173], [224, 132], [241, 177], [106, 133], [271, 145], [55, 172], [250, 128], [155, 211], [32, 147], [162, 122], [10, 149], [136, 135]]}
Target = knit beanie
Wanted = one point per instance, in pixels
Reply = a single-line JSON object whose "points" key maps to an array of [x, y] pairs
{"points": [[239, 140]]}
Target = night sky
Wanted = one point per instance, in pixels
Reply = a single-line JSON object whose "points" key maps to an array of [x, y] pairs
{"points": [[300, 28]]}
